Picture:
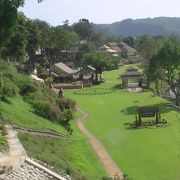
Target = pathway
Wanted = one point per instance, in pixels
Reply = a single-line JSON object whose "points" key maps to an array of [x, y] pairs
{"points": [[108, 163], [16, 154]]}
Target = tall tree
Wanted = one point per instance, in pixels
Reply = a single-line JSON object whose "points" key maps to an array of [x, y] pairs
{"points": [[15, 49], [83, 28], [167, 62], [8, 18], [147, 47]]}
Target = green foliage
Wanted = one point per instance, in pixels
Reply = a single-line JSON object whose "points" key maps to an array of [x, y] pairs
{"points": [[1, 85], [83, 28], [25, 84], [8, 18], [48, 81], [9, 89], [46, 110], [100, 61], [166, 63], [64, 37], [16, 48], [44, 100]]}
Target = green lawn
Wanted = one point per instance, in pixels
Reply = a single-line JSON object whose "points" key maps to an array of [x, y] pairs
{"points": [[148, 153]]}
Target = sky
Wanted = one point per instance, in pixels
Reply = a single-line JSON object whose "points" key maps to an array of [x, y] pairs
{"points": [[99, 11]]}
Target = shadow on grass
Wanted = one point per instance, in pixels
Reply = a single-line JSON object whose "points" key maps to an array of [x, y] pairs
{"points": [[5, 100], [117, 87], [132, 110], [150, 127]]}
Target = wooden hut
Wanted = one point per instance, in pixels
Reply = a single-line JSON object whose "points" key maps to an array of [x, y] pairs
{"points": [[62, 73]]}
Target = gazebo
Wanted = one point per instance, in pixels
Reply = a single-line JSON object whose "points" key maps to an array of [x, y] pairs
{"points": [[132, 73]]}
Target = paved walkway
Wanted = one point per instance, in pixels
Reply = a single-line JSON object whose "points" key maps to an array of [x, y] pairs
{"points": [[16, 155], [108, 163]]}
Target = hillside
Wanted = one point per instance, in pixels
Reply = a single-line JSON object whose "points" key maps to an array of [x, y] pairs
{"points": [[149, 26], [72, 155]]}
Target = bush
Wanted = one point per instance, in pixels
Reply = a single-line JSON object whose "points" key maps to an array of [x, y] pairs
{"points": [[9, 89], [26, 85], [43, 109], [46, 110], [66, 104]]}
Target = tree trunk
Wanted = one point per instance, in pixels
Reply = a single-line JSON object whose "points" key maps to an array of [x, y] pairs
{"points": [[96, 78], [177, 101], [157, 87]]}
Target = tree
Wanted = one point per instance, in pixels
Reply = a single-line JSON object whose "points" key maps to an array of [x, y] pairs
{"points": [[129, 40], [99, 61], [83, 28], [32, 38], [15, 49], [167, 62], [1, 86], [8, 19], [147, 47]]}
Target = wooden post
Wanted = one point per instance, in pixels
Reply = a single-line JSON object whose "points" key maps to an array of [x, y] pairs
{"points": [[140, 122], [157, 118]]}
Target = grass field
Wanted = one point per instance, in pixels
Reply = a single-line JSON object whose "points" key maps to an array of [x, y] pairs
{"points": [[147, 153]]}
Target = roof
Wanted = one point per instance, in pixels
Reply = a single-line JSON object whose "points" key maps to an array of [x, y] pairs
{"points": [[104, 47], [65, 68], [115, 46], [86, 70], [147, 109], [107, 49], [127, 48], [132, 73], [90, 67]]}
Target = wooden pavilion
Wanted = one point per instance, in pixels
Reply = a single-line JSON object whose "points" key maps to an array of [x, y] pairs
{"points": [[132, 73], [86, 74]]}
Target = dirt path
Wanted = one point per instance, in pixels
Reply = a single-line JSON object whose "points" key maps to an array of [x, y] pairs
{"points": [[108, 163]]}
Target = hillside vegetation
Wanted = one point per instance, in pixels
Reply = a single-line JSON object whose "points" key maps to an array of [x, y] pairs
{"points": [[149, 26]]}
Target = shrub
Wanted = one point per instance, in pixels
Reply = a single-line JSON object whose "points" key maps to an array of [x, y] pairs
{"points": [[46, 110], [9, 89], [43, 109], [25, 84], [66, 104]]}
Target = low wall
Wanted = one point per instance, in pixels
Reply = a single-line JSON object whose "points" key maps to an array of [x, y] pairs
{"points": [[87, 85], [67, 86]]}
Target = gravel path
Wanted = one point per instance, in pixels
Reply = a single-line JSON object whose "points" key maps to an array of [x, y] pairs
{"points": [[104, 157]]}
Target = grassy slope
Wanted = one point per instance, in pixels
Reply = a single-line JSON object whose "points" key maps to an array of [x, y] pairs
{"points": [[77, 156], [20, 113], [151, 153]]}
